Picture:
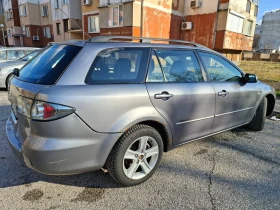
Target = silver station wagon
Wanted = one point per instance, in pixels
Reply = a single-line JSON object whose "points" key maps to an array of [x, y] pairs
{"points": [[85, 105]]}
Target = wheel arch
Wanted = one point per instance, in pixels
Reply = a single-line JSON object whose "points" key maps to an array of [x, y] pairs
{"points": [[270, 104], [164, 132], [7, 77]]}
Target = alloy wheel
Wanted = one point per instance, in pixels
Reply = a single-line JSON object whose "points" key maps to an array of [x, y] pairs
{"points": [[141, 157]]}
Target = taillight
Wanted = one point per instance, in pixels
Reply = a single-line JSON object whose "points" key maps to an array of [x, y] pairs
{"points": [[39, 110], [49, 111]]}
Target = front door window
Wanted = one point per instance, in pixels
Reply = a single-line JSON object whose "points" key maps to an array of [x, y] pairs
{"points": [[219, 69]]}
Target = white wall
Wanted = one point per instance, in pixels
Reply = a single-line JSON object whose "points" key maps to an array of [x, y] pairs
{"points": [[75, 9], [7, 5], [207, 7], [20, 2], [44, 1], [71, 10], [57, 14], [106, 2], [238, 5]]}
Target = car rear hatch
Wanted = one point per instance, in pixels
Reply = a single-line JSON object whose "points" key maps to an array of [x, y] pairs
{"points": [[19, 90], [38, 74]]}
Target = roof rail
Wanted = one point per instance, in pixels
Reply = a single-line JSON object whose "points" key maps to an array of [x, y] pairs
{"points": [[141, 40]]}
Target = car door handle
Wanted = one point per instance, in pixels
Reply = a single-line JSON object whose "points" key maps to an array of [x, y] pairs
{"points": [[223, 93], [164, 96]]}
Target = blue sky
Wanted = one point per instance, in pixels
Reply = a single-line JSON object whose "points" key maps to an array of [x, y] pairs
{"points": [[267, 5]]}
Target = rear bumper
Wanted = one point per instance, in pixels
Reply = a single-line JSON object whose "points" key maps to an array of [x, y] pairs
{"points": [[61, 156]]}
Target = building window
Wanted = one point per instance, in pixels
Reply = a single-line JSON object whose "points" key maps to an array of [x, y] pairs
{"points": [[47, 32], [248, 28], [256, 11], [248, 6], [65, 1], [116, 15], [235, 23], [56, 3], [27, 31], [7, 16], [93, 24], [66, 25], [45, 10], [10, 14], [23, 10], [58, 31], [23, 30]]}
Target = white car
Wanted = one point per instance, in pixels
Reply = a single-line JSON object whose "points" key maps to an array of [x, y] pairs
{"points": [[14, 53], [6, 68]]}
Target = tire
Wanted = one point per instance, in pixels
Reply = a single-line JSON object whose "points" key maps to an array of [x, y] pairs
{"points": [[257, 123], [8, 80], [121, 169]]}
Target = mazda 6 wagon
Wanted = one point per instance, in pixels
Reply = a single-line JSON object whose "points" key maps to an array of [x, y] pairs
{"points": [[118, 105]]}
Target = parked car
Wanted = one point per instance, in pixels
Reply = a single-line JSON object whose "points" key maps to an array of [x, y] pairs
{"points": [[14, 53], [6, 68], [73, 111]]}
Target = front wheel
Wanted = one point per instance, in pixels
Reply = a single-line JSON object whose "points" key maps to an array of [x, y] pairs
{"points": [[136, 156], [257, 123]]}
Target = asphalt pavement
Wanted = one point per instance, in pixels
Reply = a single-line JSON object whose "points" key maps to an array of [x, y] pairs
{"points": [[238, 169]]}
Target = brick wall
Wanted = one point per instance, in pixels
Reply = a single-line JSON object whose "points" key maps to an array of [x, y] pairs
{"points": [[29, 42], [85, 25]]}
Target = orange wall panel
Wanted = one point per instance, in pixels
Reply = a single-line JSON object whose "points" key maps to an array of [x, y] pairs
{"points": [[203, 31]]}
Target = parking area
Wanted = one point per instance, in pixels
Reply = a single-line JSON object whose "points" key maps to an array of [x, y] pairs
{"points": [[238, 169]]}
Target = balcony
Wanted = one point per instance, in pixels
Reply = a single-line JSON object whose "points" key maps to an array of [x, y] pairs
{"points": [[104, 3]]}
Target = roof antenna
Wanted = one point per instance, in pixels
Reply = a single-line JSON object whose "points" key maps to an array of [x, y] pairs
{"points": [[75, 23]]}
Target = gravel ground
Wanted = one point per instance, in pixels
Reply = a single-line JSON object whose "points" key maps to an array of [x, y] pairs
{"points": [[235, 170]]}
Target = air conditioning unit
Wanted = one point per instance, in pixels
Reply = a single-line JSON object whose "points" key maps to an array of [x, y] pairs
{"points": [[36, 38], [195, 4], [87, 2], [186, 26]]}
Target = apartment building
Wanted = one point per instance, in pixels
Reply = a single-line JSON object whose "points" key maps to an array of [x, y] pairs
{"points": [[226, 26], [223, 25], [12, 23], [36, 22], [151, 18], [269, 40], [90, 13], [2, 21], [66, 19], [257, 37]]}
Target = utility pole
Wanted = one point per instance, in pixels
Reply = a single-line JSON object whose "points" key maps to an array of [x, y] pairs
{"points": [[141, 20], [2, 27]]}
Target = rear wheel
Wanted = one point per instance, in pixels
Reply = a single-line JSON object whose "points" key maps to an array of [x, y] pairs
{"points": [[257, 123], [137, 155]]}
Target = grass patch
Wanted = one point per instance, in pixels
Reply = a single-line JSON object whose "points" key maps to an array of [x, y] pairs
{"points": [[278, 93], [267, 72]]}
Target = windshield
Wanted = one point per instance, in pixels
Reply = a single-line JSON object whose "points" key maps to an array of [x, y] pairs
{"points": [[47, 66], [29, 56]]}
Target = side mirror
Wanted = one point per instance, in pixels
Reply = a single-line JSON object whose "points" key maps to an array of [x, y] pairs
{"points": [[250, 78], [16, 72]]}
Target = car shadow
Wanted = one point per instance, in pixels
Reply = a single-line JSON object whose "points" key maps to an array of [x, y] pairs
{"points": [[3, 89]]}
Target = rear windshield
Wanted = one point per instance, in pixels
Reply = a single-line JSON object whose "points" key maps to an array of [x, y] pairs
{"points": [[49, 64], [119, 65]]}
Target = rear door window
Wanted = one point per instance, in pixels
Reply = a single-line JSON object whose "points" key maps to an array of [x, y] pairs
{"points": [[179, 66], [119, 65], [14, 54], [49, 64]]}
